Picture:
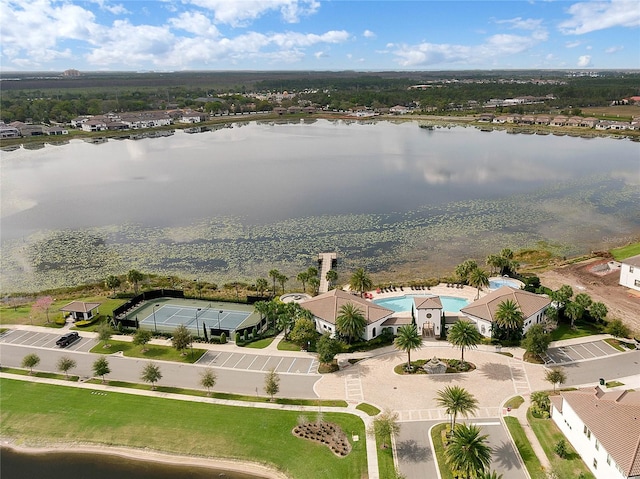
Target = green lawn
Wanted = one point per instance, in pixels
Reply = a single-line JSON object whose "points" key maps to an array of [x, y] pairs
{"points": [[166, 353], [515, 402], [33, 411], [531, 461], [260, 343], [368, 408], [626, 251], [386, 466], [582, 329], [438, 449], [548, 434], [285, 345]]}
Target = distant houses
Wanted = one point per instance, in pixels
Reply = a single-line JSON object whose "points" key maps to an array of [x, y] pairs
{"points": [[630, 273], [560, 121]]}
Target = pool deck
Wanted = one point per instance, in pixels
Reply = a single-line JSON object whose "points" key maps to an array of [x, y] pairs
{"points": [[467, 292]]}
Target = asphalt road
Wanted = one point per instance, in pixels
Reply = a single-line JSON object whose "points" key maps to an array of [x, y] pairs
{"points": [[610, 367], [416, 459], [173, 374]]}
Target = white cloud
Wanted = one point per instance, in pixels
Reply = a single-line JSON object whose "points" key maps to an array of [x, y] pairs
{"points": [[584, 61], [614, 49], [592, 16], [571, 44], [368, 34], [320, 55], [241, 13], [118, 9], [521, 24], [196, 23]]}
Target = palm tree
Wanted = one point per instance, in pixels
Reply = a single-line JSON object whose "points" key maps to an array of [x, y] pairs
{"points": [[489, 475], [303, 277], [261, 285], [350, 322], [282, 279], [456, 400], [584, 300], [464, 334], [509, 316], [314, 284], [134, 277], [574, 311], [407, 340], [467, 452], [274, 274], [495, 262], [464, 269], [332, 277], [478, 278], [360, 281], [598, 311]]}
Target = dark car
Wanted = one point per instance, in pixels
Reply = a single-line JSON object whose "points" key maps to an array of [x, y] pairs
{"points": [[67, 339]]}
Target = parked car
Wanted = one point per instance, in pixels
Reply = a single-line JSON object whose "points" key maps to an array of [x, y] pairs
{"points": [[67, 339]]}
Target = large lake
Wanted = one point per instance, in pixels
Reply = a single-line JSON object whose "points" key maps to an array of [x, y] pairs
{"points": [[236, 202]]}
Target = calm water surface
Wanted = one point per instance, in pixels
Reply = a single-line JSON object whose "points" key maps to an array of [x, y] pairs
{"points": [[16, 465], [235, 202]]}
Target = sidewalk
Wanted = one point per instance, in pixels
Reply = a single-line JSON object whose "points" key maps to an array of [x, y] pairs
{"points": [[521, 415]]}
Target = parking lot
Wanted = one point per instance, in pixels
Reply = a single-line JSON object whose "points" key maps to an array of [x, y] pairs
{"points": [[44, 340], [254, 362], [579, 352]]}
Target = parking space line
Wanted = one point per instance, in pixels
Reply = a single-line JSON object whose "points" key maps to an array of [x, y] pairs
{"points": [[586, 350], [238, 361], [600, 349], [610, 348], [223, 364], [312, 366], [278, 365], [25, 333], [254, 360], [294, 361]]}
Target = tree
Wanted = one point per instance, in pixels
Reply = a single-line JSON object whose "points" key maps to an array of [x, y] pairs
{"points": [[562, 295], [464, 269], [65, 364], [314, 284], [181, 338], [540, 404], [134, 277], [509, 317], [584, 300], [30, 361], [350, 322], [261, 285], [561, 449], [303, 277], [282, 279], [101, 367], [272, 383], [467, 452], [327, 348], [574, 311], [495, 262], [303, 332], [43, 304], [617, 329], [385, 425], [151, 374], [456, 400], [208, 379], [274, 274], [104, 334], [489, 475], [478, 278], [464, 334], [598, 311], [536, 341], [286, 317], [555, 376], [332, 278], [360, 281], [141, 338], [112, 282], [407, 340]]}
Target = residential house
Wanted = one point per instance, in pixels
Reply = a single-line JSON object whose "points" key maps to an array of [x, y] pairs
{"points": [[94, 125], [399, 110], [192, 117], [559, 120], [8, 131], [500, 119], [603, 427], [57, 130], [483, 311], [574, 121], [514, 118], [589, 122], [630, 272], [485, 118], [542, 120], [326, 308]]}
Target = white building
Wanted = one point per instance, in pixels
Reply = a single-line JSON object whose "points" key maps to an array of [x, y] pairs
{"points": [[604, 428], [630, 273], [326, 308], [483, 311]]}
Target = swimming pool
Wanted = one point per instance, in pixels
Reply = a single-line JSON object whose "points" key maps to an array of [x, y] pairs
{"points": [[404, 303], [495, 283]]}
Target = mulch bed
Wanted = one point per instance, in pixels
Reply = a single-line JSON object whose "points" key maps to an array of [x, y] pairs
{"points": [[326, 433]]}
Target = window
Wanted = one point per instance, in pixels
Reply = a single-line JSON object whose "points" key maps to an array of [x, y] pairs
{"points": [[608, 459], [630, 269], [586, 432], [595, 463], [597, 445], [636, 282], [428, 315], [374, 332]]}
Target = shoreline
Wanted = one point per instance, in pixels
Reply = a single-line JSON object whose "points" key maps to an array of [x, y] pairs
{"points": [[159, 457]]}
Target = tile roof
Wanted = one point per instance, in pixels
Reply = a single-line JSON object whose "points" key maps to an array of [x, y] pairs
{"points": [[486, 307], [613, 418], [79, 307], [327, 306], [428, 303]]}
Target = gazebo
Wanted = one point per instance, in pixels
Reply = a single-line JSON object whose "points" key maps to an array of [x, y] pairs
{"points": [[81, 311]]}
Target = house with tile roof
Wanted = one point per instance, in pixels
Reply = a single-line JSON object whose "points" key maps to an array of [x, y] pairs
{"points": [[81, 311], [603, 427], [630, 272], [326, 308], [483, 311]]}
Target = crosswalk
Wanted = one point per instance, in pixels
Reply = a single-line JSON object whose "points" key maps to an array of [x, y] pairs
{"points": [[440, 414], [353, 387], [519, 377]]}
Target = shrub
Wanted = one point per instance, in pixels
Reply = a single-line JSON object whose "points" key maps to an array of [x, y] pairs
{"points": [[254, 332], [223, 338], [561, 448], [237, 338], [245, 336]]}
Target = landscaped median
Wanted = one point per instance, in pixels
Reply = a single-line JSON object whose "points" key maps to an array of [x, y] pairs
{"points": [[69, 414]]}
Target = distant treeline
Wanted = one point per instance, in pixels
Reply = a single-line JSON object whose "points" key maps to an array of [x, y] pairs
{"points": [[46, 98]]}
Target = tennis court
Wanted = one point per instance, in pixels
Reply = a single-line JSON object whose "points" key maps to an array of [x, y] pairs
{"points": [[212, 317]]}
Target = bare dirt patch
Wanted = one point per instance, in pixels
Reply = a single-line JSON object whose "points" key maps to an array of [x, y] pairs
{"points": [[589, 277]]}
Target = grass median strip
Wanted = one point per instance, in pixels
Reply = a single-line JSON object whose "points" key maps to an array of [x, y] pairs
{"points": [[47, 413], [529, 457], [148, 351]]}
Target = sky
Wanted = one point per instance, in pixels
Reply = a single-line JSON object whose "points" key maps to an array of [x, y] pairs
{"points": [[175, 35]]}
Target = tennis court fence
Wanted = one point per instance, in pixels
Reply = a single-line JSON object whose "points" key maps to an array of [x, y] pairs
{"points": [[123, 315]]}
